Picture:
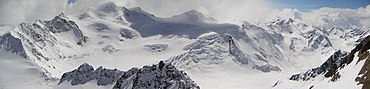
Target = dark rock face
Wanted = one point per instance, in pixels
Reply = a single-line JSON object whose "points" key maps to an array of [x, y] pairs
{"points": [[155, 47], [363, 55], [110, 49], [12, 44], [157, 76], [86, 73], [108, 7], [129, 33], [235, 51], [340, 60], [61, 24], [317, 38], [327, 68], [266, 68], [99, 26]]}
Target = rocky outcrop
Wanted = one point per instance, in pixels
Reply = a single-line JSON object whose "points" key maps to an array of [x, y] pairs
{"points": [[317, 38], [363, 54], [155, 47], [60, 24], [340, 60], [235, 51], [12, 44], [266, 68], [86, 73], [129, 33], [156, 76], [327, 68]]}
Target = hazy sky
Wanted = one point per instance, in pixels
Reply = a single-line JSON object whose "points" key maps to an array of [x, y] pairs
{"points": [[17, 11], [307, 5]]}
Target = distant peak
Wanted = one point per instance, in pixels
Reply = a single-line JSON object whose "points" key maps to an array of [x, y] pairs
{"points": [[108, 7], [138, 10], [193, 12], [85, 66], [192, 16], [62, 15]]}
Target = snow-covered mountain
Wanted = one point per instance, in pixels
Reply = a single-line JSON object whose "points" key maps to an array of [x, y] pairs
{"points": [[197, 51]]}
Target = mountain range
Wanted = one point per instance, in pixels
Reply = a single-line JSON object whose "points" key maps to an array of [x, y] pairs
{"points": [[134, 49]]}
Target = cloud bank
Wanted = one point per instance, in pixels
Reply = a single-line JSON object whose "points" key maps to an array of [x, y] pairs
{"points": [[337, 17], [223, 10], [16, 11], [255, 11]]}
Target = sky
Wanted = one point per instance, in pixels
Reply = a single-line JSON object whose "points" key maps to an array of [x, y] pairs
{"points": [[17, 11], [308, 5]]}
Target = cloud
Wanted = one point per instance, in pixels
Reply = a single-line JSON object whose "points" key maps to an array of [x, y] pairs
{"points": [[324, 17], [223, 10], [17, 11], [338, 17]]}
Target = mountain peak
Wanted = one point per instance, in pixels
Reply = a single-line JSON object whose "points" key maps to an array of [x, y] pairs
{"points": [[192, 16], [62, 15], [193, 12], [139, 10], [108, 7]]}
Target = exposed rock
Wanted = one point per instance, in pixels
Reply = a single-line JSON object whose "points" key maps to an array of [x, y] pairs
{"points": [[155, 47], [99, 26], [363, 55], [159, 76], [266, 68], [12, 44], [86, 73], [129, 33], [61, 23], [235, 51], [317, 38], [110, 49], [327, 68], [340, 60]]}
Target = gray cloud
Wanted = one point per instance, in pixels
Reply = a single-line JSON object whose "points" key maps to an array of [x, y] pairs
{"points": [[224, 10], [17, 11]]}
